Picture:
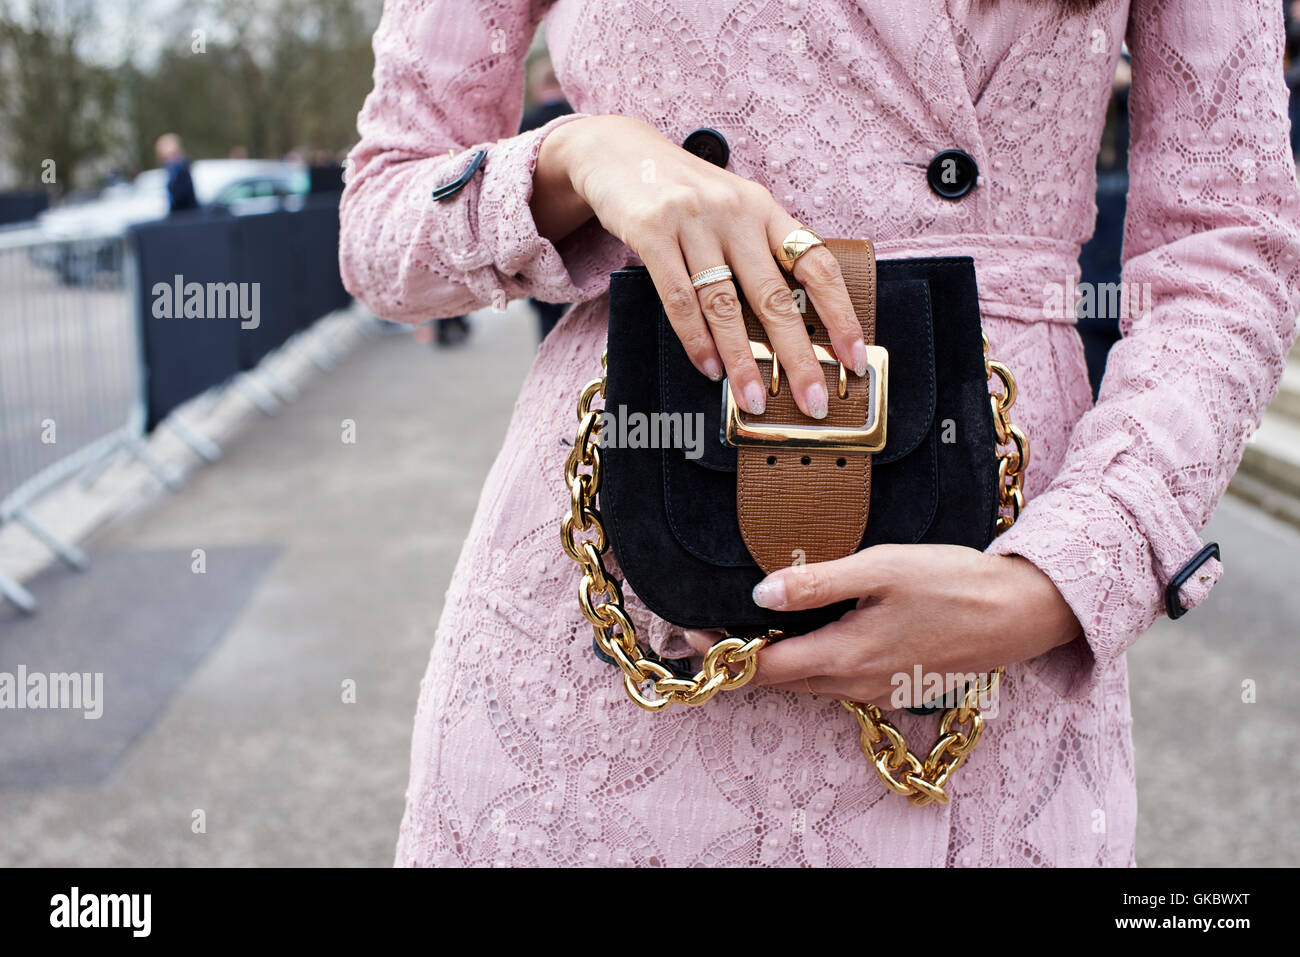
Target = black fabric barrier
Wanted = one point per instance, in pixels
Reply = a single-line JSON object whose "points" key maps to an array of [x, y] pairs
{"points": [[1100, 263], [316, 245], [265, 255], [284, 267], [18, 206], [183, 356]]}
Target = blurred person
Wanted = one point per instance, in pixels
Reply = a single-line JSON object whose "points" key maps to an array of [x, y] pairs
{"points": [[180, 187], [524, 751], [548, 103], [545, 93], [453, 331], [324, 174], [1101, 256], [1292, 8], [442, 332], [1113, 155]]}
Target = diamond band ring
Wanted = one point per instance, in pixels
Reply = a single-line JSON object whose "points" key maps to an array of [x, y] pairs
{"points": [[706, 277]]}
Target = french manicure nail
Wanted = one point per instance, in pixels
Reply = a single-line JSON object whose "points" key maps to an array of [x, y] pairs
{"points": [[754, 400], [770, 592], [816, 397], [713, 369], [859, 358]]}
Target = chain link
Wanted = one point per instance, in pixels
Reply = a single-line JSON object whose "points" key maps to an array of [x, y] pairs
{"points": [[733, 661]]}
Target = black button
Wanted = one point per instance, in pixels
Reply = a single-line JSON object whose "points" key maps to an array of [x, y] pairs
{"points": [[708, 145], [952, 174]]}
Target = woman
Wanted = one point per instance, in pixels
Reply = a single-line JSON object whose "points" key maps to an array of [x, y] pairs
{"points": [[525, 750]]}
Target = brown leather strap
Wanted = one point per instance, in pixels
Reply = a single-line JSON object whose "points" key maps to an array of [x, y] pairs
{"points": [[809, 505]]}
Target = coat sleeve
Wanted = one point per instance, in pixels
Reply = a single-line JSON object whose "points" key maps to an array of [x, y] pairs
{"points": [[1212, 228], [448, 82]]}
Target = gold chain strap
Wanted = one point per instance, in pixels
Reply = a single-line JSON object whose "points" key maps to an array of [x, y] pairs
{"points": [[732, 662]]}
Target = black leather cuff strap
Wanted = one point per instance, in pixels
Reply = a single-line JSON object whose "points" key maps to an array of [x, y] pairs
{"points": [[449, 190], [1172, 605]]}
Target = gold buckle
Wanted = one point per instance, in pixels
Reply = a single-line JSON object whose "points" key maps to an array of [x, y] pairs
{"points": [[869, 438]]}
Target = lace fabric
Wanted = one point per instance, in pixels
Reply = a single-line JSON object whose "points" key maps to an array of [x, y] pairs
{"points": [[525, 750]]}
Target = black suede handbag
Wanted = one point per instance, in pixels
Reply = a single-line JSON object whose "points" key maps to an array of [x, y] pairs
{"points": [[944, 466]]}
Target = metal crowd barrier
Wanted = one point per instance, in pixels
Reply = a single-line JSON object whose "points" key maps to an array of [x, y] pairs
{"points": [[70, 377], [86, 370]]}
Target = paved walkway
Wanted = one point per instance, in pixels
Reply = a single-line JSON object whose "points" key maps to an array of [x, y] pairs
{"points": [[325, 563]]}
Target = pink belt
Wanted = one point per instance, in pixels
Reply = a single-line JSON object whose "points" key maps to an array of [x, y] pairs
{"points": [[1026, 278]]}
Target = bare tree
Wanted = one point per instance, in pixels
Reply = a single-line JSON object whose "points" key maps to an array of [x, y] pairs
{"points": [[279, 75], [267, 75], [55, 107]]}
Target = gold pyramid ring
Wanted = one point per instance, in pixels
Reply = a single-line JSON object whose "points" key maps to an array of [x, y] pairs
{"points": [[795, 245]]}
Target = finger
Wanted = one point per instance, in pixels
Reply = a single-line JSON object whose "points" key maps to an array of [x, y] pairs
{"points": [[720, 307], [893, 694], [818, 271], [682, 307], [702, 640], [798, 687], [769, 296], [821, 583], [814, 686], [839, 689], [818, 653]]}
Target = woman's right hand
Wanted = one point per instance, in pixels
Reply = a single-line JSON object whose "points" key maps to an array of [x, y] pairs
{"points": [[682, 214]]}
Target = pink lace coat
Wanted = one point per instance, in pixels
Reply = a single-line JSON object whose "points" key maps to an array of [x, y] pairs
{"points": [[525, 749]]}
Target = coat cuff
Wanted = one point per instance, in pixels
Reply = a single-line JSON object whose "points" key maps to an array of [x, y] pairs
{"points": [[1107, 567], [510, 255]]}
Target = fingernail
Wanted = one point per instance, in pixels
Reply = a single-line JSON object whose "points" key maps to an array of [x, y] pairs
{"points": [[754, 400], [859, 358], [816, 398], [713, 369], [770, 592]]}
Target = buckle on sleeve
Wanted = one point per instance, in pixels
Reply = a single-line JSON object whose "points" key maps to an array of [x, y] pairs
{"points": [[1173, 606], [448, 190]]}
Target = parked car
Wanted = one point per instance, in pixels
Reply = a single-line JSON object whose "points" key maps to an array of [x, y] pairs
{"points": [[84, 235]]}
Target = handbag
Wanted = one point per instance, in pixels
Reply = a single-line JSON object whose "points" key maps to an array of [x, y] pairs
{"points": [[699, 501]]}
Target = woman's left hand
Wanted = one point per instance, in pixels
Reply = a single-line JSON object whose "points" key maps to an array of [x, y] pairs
{"points": [[950, 609]]}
